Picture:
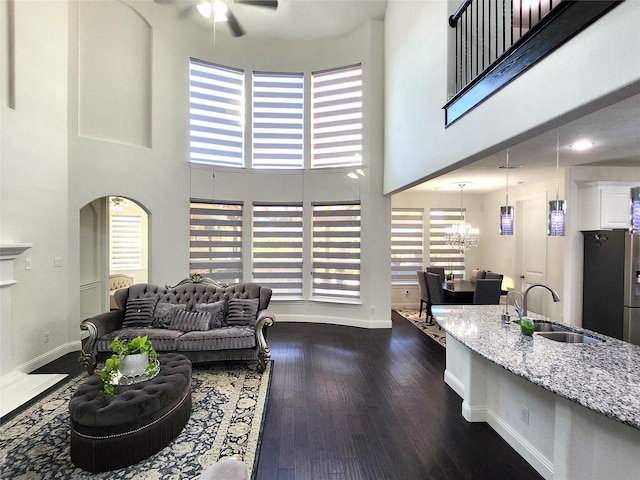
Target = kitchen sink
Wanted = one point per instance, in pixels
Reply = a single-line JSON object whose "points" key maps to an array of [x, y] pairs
{"points": [[568, 337], [542, 326]]}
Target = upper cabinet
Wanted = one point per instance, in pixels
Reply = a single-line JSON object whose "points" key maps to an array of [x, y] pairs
{"points": [[604, 205]]}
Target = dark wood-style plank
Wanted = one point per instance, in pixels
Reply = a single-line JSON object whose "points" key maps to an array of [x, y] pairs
{"points": [[349, 404]]}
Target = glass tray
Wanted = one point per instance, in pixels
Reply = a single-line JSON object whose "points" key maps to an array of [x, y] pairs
{"points": [[118, 378]]}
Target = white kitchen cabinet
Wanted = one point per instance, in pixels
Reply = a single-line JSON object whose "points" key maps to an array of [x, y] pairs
{"points": [[604, 205]]}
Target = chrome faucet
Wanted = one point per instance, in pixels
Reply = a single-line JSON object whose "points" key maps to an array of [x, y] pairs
{"points": [[554, 295], [506, 317]]}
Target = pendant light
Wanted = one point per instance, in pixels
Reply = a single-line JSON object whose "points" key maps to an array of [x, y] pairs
{"points": [[557, 207], [461, 235], [635, 211], [507, 211]]}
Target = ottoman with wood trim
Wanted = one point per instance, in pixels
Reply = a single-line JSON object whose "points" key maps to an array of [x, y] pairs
{"points": [[138, 421]]}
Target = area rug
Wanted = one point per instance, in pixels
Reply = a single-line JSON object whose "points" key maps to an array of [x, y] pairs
{"points": [[430, 330], [227, 416]]}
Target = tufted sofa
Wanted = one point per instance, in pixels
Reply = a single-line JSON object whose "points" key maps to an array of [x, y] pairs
{"points": [[235, 328]]}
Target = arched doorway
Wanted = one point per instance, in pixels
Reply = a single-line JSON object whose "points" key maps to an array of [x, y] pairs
{"points": [[114, 242]]}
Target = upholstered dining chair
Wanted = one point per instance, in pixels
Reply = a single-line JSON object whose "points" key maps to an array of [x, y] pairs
{"points": [[438, 270], [487, 291], [436, 293], [424, 294], [493, 276]]}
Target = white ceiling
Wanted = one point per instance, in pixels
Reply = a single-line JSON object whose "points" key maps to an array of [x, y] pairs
{"points": [[615, 129], [293, 20]]}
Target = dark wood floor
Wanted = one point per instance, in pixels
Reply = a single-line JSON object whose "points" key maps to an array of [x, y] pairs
{"points": [[348, 403]]}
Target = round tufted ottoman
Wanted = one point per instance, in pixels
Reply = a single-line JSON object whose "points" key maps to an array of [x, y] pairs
{"points": [[138, 421]]}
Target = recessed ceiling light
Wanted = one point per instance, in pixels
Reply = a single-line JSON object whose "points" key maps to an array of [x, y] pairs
{"points": [[583, 144]]}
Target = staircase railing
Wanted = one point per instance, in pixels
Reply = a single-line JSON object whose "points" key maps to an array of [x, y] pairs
{"points": [[497, 40]]}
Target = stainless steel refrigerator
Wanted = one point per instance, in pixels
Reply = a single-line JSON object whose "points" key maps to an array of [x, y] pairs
{"points": [[631, 315], [611, 284]]}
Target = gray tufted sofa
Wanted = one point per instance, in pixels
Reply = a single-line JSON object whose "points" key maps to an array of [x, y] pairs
{"points": [[241, 341]]}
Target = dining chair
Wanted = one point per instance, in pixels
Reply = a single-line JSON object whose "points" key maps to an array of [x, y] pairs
{"points": [[424, 294], [436, 293], [438, 270], [493, 276], [487, 291]]}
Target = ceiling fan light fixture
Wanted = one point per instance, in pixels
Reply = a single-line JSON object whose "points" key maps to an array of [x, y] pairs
{"points": [[217, 8]]}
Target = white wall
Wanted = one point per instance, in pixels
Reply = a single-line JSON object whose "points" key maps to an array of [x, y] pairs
{"points": [[159, 176], [599, 62], [34, 183]]}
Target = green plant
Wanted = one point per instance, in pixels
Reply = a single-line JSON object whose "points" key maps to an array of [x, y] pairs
{"points": [[122, 348]]}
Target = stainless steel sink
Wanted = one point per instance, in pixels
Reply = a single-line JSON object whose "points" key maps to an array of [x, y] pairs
{"points": [[542, 326], [569, 337]]}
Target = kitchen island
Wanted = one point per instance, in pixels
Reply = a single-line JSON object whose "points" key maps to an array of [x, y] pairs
{"points": [[571, 410]]}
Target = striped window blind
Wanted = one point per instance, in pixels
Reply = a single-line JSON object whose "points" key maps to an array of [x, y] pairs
{"points": [[278, 120], [126, 242], [277, 248], [441, 254], [215, 248], [216, 114], [336, 251], [407, 227], [337, 117]]}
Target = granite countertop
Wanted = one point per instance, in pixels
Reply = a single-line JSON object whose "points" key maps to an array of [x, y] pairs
{"points": [[604, 376]]}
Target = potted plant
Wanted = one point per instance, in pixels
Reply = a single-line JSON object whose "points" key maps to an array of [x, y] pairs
{"points": [[129, 358]]}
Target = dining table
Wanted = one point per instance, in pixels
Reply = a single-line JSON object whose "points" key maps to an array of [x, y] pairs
{"points": [[461, 291]]}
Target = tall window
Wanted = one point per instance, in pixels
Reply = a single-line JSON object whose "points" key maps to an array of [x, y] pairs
{"points": [[126, 242], [336, 251], [215, 248], [278, 106], [337, 118], [216, 114], [441, 254], [277, 248], [407, 227]]}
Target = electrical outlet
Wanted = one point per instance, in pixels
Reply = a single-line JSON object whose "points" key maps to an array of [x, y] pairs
{"points": [[57, 261], [27, 264], [524, 414], [46, 337]]}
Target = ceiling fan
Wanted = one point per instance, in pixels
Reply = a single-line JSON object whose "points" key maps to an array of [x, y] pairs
{"points": [[219, 11]]}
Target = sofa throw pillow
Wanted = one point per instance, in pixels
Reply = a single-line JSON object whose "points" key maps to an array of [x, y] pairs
{"points": [[218, 311], [190, 321], [139, 312], [165, 313], [242, 311]]}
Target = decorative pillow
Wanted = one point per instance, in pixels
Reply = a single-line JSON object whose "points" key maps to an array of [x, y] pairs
{"points": [[165, 313], [190, 321], [218, 311], [242, 311], [139, 312]]}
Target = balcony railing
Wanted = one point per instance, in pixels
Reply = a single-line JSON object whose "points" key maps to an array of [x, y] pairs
{"points": [[497, 40]]}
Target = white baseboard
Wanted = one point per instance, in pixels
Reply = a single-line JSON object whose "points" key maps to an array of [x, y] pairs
{"points": [[532, 455], [347, 322], [48, 357], [475, 413], [453, 381]]}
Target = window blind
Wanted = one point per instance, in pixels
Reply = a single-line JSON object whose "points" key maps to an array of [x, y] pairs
{"points": [[277, 248], [215, 248], [336, 251], [407, 226], [337, 117], [216, 114], [441, 254], [278, 120], [126, 242]]}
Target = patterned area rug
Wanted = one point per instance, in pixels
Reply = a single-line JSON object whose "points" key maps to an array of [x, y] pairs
{"points": [[431, 330], [228, 410]]}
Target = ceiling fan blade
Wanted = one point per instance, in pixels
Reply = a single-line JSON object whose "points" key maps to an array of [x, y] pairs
{"points": [[234, 25], [259, 3]]}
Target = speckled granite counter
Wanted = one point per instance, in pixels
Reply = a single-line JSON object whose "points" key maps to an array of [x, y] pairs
{"points": [[604, 377]]}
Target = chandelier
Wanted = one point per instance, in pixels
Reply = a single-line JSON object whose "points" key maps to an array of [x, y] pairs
{"points": [[461, 236]]}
